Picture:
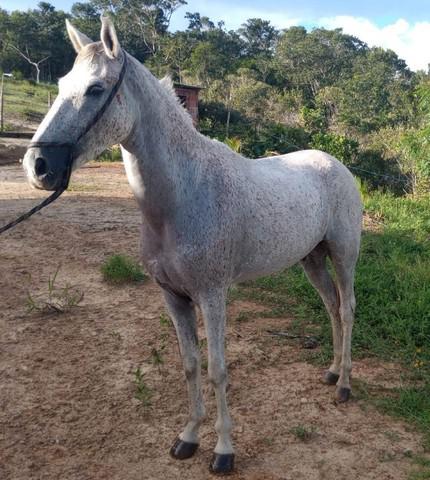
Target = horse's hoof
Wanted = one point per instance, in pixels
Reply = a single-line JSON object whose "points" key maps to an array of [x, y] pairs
{"points": [[222, 464], [182, 450], [330, 378], [343, 394]]}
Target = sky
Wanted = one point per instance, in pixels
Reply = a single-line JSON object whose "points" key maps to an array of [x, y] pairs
{"points": [[403, 26]]}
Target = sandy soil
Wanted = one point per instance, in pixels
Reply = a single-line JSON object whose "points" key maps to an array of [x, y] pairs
{"points": [[67, 406], [12, 149]]}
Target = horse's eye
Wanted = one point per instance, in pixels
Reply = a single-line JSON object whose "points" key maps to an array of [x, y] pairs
{"points": [[94, 90]]}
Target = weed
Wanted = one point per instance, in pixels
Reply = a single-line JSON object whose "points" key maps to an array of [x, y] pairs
{"points": [[303, 433], [157, 357], [165, 321], [116, 335], [243, 316], [143, 392], [56, 299], [120, 269]]}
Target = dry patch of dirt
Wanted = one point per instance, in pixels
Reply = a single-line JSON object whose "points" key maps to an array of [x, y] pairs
{"points": [[12, 149], [67, 406]]}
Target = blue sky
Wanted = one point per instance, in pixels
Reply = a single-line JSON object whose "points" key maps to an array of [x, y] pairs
{"points": [[403, 26]]}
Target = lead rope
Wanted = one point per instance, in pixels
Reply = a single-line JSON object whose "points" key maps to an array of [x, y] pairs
{"points": [[45, 202], [66, 178]]}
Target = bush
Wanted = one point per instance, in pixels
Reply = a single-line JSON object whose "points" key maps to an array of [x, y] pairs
{"points": [[343, 148], [112, 154], [274, 139], [119, 269]]}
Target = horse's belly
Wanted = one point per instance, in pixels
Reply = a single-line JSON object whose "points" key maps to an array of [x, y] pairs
{"points": [[275, 256], [279, 238]]}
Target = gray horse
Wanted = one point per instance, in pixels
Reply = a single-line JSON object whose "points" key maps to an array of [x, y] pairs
{"points": [[210, 216]]}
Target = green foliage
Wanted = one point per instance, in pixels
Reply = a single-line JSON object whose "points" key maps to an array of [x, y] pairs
{"points": [[112, 154], [304, 433], [275, 139], [234, 143], [274, 92], [24, 100], [120, 269], [314, 119], [143, 392], [341, 147], [376, 94], [413, 404]]}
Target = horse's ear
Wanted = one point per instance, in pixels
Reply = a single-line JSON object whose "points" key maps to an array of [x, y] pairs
{"points": [[78, 39], [109, 38]]}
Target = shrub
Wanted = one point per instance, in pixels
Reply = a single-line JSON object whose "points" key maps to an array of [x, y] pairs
{"points": [[112, 154], [343, 148]]}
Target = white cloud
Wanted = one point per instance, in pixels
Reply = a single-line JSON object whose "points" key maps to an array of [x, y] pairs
{"points": [[411, 42]]}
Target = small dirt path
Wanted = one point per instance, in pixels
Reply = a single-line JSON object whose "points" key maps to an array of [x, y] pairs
{"points": [[67, 406]]}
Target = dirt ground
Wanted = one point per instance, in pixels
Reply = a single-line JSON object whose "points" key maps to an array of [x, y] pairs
{"points": [[12, 149], [67, 406]]}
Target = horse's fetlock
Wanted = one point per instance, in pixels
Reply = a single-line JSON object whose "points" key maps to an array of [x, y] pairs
{"points": [[223, 426], [218, 378]]}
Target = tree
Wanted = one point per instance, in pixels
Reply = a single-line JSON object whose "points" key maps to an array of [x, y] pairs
{"points": [[259, 36], [311, 61], [26, 56], [27, 38], [140, 23], [377, 94]]}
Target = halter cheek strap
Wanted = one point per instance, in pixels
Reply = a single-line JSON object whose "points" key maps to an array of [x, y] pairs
{"points": [[71, 151]]}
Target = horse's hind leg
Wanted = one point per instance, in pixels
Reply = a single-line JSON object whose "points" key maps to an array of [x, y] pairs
{"points": [[345, 269], [183, 315], [315, 268]]}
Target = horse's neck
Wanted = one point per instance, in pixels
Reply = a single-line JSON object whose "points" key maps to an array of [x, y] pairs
{"points": [[161, 154]]}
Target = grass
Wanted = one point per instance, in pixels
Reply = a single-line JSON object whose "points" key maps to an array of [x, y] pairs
{"points": [[303, 433], [25, 100], [393, 302], [120, 269], [424, 468], [143, 393], [56, 299]]}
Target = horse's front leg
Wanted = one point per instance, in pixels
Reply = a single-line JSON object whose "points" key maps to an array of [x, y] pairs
{"points": [[183, 315], [213, 308]]}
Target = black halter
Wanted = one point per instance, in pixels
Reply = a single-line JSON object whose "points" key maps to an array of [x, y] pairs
{"points": [[70, 148]]}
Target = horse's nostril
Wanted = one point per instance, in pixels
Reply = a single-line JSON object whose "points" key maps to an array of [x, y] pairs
{"points": [[40, 167]]}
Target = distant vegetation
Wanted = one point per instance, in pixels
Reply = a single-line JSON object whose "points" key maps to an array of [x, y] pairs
{"points": [[265, 91]]}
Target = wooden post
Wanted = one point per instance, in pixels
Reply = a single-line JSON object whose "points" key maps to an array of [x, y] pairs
{"points": [[1, 102], [49, 99]]}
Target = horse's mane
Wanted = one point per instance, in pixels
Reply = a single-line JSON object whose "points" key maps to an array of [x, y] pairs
{"points": [[169, 86]]}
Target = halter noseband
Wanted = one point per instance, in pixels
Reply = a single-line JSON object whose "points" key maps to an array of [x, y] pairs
{"points": [[70, 147]]}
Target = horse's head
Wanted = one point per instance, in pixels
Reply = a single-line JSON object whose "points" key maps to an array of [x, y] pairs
{"points": [[93, 111]]}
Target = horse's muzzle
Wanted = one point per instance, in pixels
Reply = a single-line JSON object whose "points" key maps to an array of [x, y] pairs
{"points": [[48, 166]]}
